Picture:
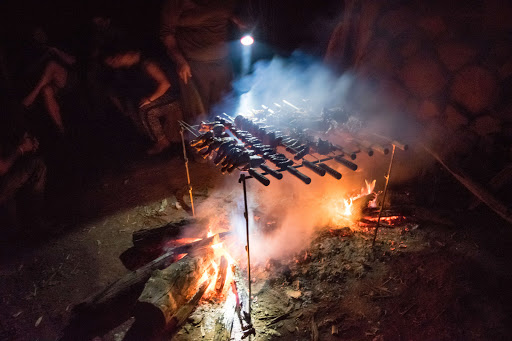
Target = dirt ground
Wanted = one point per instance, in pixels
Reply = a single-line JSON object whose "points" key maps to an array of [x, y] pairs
{"points": [[442, 276]]}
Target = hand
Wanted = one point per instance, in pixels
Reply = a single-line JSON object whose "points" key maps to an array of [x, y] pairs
{"points": [[28, 144], [184, 72]]}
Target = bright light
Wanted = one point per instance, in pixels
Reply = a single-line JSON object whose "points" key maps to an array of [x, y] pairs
{"points": [[247, 40]]}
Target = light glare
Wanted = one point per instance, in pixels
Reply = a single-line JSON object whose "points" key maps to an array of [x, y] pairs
{"points": [[247, 40]]}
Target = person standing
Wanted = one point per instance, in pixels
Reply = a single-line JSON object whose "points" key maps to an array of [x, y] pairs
{"points": [[195, 34]]}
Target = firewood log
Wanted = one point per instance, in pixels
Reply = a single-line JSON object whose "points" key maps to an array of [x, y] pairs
{"points": [[155, 238], [224, 324], [165, 293], [111, 306]]}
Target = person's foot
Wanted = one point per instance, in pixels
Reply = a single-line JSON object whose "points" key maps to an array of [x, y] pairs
{"points": [[159, 147]]}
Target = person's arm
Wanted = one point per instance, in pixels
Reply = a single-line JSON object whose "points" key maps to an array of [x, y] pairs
{"points": [[171, 12], [65, 57], [27, 145], [117, 103], [160, 78]]}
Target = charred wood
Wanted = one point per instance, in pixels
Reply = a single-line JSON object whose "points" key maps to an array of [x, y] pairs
{"points": [[150, 239], [165, 293], [95, 316]]}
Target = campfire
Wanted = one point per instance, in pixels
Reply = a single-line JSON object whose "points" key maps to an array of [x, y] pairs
{"points": [[179, 273]]}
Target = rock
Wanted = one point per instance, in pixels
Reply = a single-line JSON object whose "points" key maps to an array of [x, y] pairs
{"points": [[392, 96], [501, 49], [378, 60], [290, 327], [428, 110], [293, 293], [195, 319], [475, 88], [423, 76], [454, 118], [410, 47], [272, 332], [485, 125], [505, 70], [433, 25], [396, 22], [455, 55], [505, 114]]}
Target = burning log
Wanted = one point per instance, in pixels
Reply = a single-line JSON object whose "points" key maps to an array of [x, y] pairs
{"points": [[221, 276], [239, 307], [150, 239], [94, 316], [184, 312], [166, 292]]}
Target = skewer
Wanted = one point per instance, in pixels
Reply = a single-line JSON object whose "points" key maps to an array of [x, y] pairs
{"points": [[383, 196], [246, 215], [189, 184]]}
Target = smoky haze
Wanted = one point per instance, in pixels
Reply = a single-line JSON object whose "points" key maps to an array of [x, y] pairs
{"points": [[284, 215]]}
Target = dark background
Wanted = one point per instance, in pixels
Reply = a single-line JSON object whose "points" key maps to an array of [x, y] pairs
{"points": [[284, 25]]}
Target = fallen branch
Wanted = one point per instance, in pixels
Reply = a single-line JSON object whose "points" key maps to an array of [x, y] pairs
{"points": [[480, 192]]}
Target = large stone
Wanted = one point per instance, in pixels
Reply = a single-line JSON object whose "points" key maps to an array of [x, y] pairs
{"points": [[485, 125], [393, 97], [455, 55], [504, 114], [395, 22], [505, 70], [428, 110], [497, 14], [378, 60], [475, 88], [410, 47], [423, 76], [501, 49], [433, 25], [454, 118]]}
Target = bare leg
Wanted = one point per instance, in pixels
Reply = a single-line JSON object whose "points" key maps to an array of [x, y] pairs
{"points": [[151, 120], [53, 73], [52, 106]]}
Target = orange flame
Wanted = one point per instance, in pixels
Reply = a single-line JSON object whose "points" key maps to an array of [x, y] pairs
{"points": [[343, 210], [219, 251]]}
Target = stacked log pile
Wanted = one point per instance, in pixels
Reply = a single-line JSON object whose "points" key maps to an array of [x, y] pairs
{"points": [[447, 64]]}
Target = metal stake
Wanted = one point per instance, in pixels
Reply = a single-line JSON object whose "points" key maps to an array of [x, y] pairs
{"points": [[188, 172], [246, 215], [384, 196]]}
